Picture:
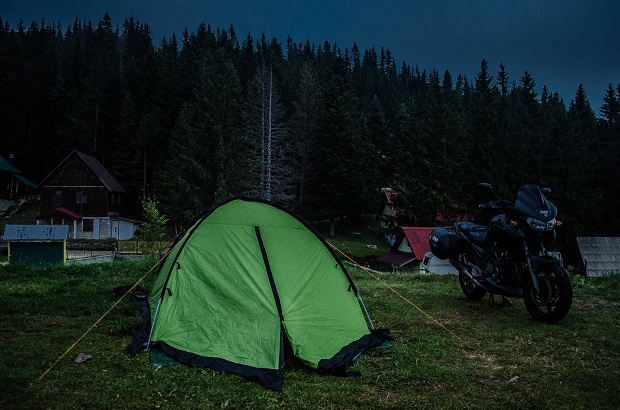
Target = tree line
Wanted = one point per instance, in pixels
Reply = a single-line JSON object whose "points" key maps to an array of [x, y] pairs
{"points": [[316, 128]]}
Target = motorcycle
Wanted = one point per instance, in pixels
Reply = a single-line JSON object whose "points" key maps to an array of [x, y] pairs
{"points": [[509, 257]]}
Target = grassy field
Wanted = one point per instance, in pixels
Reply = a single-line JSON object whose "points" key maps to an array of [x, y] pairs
{"points": [[482, 357]]}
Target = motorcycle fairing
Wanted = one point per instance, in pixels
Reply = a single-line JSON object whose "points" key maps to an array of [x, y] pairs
{"points": [[531, 202]]}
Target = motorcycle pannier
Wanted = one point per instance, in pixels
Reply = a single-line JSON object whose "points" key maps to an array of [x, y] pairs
{"points": [[444, 244]]}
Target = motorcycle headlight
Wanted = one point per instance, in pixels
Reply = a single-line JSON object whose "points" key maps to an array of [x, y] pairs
{"points": [[540, 226]]}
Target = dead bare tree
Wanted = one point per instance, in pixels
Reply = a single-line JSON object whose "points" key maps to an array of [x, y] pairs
{"points": [[271, 137]]}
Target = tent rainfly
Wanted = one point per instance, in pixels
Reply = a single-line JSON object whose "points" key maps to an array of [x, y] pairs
{"points": [[410, 247], [246, 279]]}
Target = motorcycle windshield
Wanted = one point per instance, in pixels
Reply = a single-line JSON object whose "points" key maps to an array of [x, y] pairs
{"points": [[531, 201]]}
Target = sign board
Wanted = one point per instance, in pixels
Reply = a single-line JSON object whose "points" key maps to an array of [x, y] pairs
{"points": [[35, 232]]}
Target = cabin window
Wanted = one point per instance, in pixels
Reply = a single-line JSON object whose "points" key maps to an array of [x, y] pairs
{"points": [[87, 225], [57, 199], [81, 197], [116, 199]]}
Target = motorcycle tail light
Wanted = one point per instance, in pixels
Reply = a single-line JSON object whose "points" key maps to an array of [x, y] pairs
{"points": [[558, 223]]}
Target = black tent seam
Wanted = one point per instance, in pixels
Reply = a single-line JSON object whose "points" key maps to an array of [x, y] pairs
{"points": [[272, 282], [274, 290]]}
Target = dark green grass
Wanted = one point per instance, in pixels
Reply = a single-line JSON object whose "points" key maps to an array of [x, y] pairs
{"points": [[488, 357], [362, 244]]}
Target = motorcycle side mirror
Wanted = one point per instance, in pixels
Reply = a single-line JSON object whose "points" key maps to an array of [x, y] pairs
{"points": [[485, 186]]}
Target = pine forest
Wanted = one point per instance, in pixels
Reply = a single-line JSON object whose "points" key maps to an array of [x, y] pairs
{"points": [[320, 129]]}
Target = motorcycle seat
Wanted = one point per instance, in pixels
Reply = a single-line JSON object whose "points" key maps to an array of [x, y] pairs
{"points": [[474, 232]]}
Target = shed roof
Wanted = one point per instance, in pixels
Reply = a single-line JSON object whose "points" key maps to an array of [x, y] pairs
{"points": [[16, 173], [600, 255], [6, 166], [62, 212]]}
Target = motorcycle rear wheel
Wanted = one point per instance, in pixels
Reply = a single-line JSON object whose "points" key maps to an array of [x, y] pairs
{"points": [[555, 298], [470, 289]]}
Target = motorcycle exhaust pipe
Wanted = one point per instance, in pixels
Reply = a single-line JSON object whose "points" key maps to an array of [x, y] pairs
{"points": [[465, 271]]}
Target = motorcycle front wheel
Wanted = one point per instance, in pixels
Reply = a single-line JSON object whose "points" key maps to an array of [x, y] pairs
{"points": [[470, 289], [555, 295]]}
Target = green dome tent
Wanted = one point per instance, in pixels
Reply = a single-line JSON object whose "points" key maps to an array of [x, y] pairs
{"points": [[245, 277]]}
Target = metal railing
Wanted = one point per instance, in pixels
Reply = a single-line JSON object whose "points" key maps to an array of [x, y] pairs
{"points": [[142, 247]]}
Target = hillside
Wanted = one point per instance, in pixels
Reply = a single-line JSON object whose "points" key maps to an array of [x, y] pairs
{"points": [[26, 215]]}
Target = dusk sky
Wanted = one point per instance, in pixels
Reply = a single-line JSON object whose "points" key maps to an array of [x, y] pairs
{"points": [[562, 43]]}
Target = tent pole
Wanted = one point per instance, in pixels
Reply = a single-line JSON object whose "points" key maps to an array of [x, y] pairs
{"points": [[359, 297], [148, 343]]}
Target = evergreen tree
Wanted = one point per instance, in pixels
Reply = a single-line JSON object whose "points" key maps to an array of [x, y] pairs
{"points": [[95, 98], [446, 86], [412, 164], [29, 79], [610, 110], [157, 118], [356, 70], [128, 148], [388, 92], [209, 153], [609, 132], [107, 90], [488, 153], [153, 226], [502, 133], [379, 134], [369, 80], [523, 134], [579, 194], [448, 152], [76, 123], [246, 65], [344, 183], [553, 132], [304, 125]]}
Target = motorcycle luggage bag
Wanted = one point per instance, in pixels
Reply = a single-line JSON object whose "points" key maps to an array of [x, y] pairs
{"points": [[444, 244]]}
